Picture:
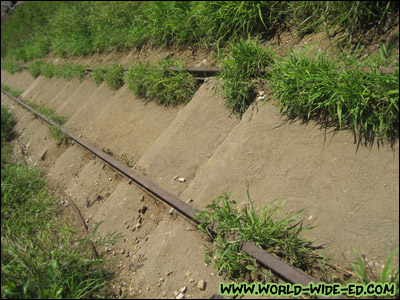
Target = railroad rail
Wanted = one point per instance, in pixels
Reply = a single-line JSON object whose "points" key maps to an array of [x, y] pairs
{"points": [[273, 263]]}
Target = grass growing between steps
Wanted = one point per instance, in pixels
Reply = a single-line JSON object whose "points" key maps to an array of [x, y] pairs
{"points": [[15, 93], [41, 257], [158, 84], [346, 92], [55, 131], [227, 227]]}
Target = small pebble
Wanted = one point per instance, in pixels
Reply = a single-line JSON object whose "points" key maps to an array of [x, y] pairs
{"points": [[171, 211], [180, 296], [201, 285], [183, 290]]}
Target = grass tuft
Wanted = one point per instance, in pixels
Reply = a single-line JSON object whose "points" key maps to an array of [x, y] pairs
{"points": [[228, 226], [160, 84], [348, 92], [245, 61], [114, 76], [35, 67], [11, 66], [98, 74]]}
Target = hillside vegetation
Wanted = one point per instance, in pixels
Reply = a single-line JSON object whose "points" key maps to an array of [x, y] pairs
{"points": [[347, 90]]}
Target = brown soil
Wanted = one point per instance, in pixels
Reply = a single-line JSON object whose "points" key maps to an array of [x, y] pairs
{"points": [[349, 192]]}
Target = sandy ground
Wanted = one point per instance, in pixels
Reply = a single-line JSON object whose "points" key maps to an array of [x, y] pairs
{"points": [[349, 193]]}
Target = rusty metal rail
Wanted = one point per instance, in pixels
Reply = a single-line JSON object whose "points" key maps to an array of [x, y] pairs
{"points": [[284, 270]]}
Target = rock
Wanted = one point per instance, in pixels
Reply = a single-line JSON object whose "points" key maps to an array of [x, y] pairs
{"points": [[191, 280], [180, 296], [137, 226], [122, 251], [182, 179], [183, 290], [42, 156], [143, 209], [176, 293], [188, 273], [169, 273], [201, 285], [141, 198], [171, 211], [162, 279]]}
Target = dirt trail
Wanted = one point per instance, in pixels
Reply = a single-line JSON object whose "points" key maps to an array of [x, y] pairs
{"points": [[350, 194]]}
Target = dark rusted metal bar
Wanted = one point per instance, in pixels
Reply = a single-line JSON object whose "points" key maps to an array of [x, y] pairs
{"points": [[284, 270]]}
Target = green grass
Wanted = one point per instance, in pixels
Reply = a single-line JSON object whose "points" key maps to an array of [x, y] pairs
{"points": [[11, 67], [41, 257], [156, 83], [339, 91], [388, 275], [7, 124], [114, 76], [228, 226], [48, 70], [242, 64], [69, 71], [15, 93], [85, 28], [35, 67], [98, 74], [55, 131]]}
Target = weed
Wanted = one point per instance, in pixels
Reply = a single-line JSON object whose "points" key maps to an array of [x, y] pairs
{"points": [[246, 60], [35, 67], [60, 136], [11, 66], [15, 93], [114, 76], [55, 131], [69, 71], [7, 124], [160, 84], [48, 112], [315, 86], [228, 227], [48, 70], [98, 74], [388, 274]]}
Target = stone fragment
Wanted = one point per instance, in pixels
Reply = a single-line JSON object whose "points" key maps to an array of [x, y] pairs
{"points": [[201, 285]]}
